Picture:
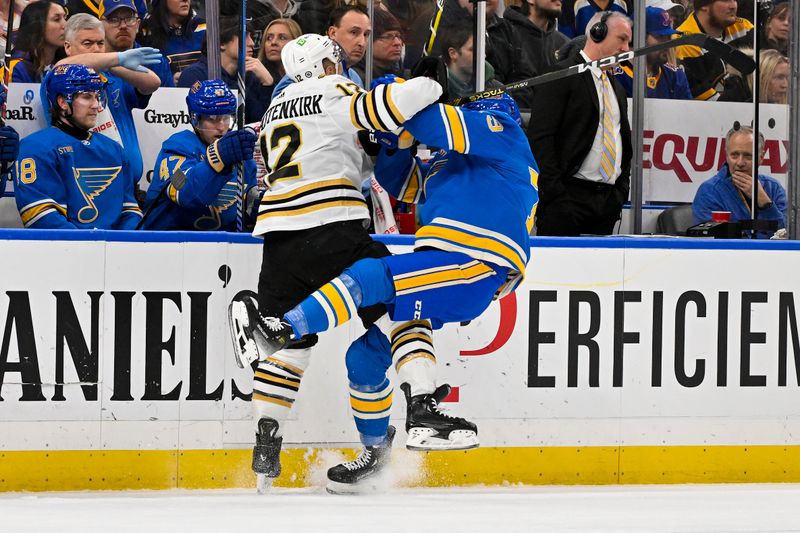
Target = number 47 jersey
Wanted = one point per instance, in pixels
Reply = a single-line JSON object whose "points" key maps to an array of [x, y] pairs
{"points": [[310, 144]]}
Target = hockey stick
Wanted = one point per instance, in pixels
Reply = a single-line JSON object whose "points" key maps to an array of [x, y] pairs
{"points": [[434, 27], [5, 167], [177, 180], [725, 52], [240, 113]]}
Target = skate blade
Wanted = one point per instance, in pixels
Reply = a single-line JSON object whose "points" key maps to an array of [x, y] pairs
{"points": [[263, 483], [243, 356], [425, 440], [367, 486]]}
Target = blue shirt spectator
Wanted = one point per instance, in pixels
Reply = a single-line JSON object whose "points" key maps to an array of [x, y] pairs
{"points": [[179, 34], [576, 14], [39, 38]]}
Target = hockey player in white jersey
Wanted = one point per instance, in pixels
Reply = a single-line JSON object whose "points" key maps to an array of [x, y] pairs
{"points": [[312, 219]]}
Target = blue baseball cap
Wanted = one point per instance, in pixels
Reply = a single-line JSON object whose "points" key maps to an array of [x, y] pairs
{"points": [[659, 22], [109, 6]]}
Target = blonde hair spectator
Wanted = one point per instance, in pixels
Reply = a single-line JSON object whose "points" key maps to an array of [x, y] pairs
{"points": [[773, 80]]}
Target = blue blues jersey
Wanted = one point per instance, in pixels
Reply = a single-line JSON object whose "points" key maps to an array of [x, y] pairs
{"points": [[478, 195], [669, 83], [22, 68], [576, 14], [66, 183], [207, 201]]}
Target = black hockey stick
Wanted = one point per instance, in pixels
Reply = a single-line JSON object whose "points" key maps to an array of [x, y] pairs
{"points": [[5, 166], [177, 180], [434, 27], [240, 113], [725, 52]]}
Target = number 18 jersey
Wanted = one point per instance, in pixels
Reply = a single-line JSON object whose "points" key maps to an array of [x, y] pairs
{"points": [[310, 145]]}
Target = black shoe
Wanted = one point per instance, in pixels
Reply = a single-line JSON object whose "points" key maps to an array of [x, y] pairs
{"points": [[429, 428], [271, 334], [362, 474], [267, 451]]}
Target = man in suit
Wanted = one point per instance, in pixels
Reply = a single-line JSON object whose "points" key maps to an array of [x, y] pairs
{"points": [[581, 138]]}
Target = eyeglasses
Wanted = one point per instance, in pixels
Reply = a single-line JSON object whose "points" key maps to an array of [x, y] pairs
{"points": [[116, 22], [390, 36]]}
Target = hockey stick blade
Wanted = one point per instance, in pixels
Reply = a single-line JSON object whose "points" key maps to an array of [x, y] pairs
{"points": [[730, 55], [701, 40]]}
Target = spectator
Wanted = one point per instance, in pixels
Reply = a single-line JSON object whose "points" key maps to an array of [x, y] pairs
{"points": [[676, 9], [69, 178], [731, 188], [172, 27], [39, 37], [777, 29], [387, 46], [95, 7], [458, 46], [664, 80], [205, 157], [276, 35], [127, 88], [310, 15], [718, 19], [773, 77], [415, 18], [535, 23], [257, 77], [121, 25], [581, 138], [349, 26], [576, 15]]}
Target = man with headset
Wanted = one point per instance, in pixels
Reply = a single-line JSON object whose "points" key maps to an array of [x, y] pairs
{"points": [[581, 138]]}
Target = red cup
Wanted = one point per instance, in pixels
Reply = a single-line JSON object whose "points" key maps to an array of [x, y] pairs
{"points": [[720, 216]]}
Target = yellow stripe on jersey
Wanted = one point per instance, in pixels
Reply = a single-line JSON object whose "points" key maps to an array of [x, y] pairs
{"points": [[473, 241], [372, 111], [412, 356], [337, 302], [457, 129], [410, 337], [354, 112], [200, 27], [342, 182], [12, 64], [285, 366], [29, 214], [260, 396], [397, 116], [457, 274], [172, 192], [707, 95], [289, 212], [411, 324], [410, 193]]}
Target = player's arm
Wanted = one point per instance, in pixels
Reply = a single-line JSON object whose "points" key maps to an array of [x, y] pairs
{"points": [[400, 174], [131, 214], [40, 195], [129, 65], [466, 131], [385, 108]]}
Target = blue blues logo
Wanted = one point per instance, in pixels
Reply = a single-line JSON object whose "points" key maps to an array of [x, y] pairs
{"points": [[92, 182]]}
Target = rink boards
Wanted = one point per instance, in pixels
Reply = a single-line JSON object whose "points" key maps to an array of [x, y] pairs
{"points": [[622, 360]]}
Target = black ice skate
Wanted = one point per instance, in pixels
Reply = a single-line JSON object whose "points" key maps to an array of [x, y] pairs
{"points": [[363, 474], [268, 333], [429, 428], [267, 453]]}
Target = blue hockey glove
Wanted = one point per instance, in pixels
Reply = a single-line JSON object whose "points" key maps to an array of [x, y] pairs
{"points": [[9, 144], [136, 58], [233, 147], [385, 79], [386, 139]]}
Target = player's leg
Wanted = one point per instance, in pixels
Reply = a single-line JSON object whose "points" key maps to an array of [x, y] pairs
{"points": [[428, 426], [367, 360]]}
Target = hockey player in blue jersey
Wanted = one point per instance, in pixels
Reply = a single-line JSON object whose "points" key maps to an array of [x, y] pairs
{"points": [[66, 176], [205, 157], [477, 199]]}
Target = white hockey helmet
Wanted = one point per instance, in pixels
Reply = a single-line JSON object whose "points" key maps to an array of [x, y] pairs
{"points": [[302, 57]]}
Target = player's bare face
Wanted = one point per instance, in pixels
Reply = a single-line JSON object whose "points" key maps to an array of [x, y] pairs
{"points": [[352, 34], [54, 30], [86, 42], [275, 39], [85, 107], [211, 128]]}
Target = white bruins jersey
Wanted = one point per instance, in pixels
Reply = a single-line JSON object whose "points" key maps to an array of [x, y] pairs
{"points": [[309, 143]]}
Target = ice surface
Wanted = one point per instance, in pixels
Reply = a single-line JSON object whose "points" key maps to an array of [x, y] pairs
{"points": [[673, 508]]}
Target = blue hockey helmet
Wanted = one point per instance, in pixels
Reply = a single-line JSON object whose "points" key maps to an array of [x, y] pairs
{"points": [[503, 103], [69, 80], [210, 98]]}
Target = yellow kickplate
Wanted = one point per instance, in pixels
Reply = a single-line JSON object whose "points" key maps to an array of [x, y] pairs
{"points": [[303, 467]]}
